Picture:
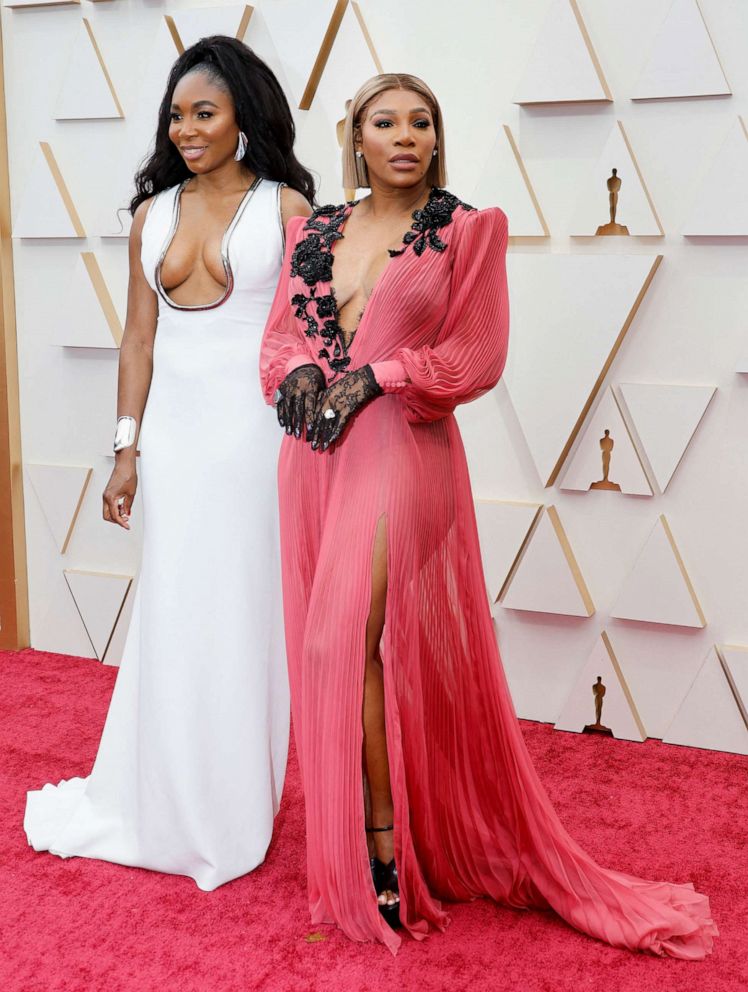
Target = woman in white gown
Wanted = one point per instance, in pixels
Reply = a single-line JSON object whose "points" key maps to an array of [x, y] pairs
{"points": [[191, 764]]}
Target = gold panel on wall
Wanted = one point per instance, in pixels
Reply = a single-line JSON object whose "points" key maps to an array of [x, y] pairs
{"points": [[14, 606]]}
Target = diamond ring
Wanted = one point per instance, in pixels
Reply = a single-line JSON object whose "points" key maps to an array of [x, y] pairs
{"points": [[329, 415]]}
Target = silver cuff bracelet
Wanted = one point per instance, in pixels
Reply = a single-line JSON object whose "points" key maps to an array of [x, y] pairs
{"points": [[124, 436]]}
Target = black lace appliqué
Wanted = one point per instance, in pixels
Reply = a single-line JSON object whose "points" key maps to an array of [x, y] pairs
{"points": [[312, 261], [429, 220]]}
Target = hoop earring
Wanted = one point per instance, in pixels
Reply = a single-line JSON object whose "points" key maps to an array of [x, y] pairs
{"points": [[435, 153], [241, 147]]}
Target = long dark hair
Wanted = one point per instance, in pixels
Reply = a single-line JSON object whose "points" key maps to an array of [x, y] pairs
{"points": [[261, 110]]}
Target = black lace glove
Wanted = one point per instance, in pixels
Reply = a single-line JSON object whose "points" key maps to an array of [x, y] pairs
{"points": [[336, 406], [296, 398]]}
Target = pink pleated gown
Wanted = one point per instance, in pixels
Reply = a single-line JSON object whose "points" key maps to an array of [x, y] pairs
{"points": [[471, 816]]}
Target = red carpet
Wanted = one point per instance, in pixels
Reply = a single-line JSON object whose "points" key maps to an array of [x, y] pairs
{"points": [[84, 926]]}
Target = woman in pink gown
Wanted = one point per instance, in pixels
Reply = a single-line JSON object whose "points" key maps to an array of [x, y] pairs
{"points": [[377, 524]]}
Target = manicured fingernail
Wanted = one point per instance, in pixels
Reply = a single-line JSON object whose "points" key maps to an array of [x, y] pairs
{"points": [[314, 445], [298, 432]]}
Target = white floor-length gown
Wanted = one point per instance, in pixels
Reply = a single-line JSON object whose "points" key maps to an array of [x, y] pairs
{"points": [[191, 763]]}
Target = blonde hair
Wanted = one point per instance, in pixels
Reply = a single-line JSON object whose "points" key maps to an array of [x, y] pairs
{"points": [[355, 174]]}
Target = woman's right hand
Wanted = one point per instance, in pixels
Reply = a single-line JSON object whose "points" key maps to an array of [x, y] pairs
{"points": [[296, 399], [120, 492]]}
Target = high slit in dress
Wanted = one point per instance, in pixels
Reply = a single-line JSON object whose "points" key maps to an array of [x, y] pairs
{"points": [[471, 816]]}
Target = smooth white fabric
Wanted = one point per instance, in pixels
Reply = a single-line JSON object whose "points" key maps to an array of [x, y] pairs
{"points": [[191, 764]]}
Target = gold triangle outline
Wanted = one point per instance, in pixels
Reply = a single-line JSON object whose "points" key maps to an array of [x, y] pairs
{"points": [[623, 404], [106, 575], [608, 98], [642, 182], [62, 188], [528, 185], [79, 504], [103, 296], [652, 99], [624, 684], [102, 63], [597, 385], [741, 703], [663, 522], [531, 526], [239, 35], [320, 63], [684, 698], [565, 545], [683, 570], [591, 49]]}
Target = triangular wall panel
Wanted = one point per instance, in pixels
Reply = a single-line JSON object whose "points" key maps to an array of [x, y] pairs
{"points": [[709, 716], [503, 527], [99, 598], [163, 54], [90, 319], [87, 90], [658, 589], [298, 28], [585, 470], [199, 22], [619, 711], [505, 183], [546, 577], [635, 209], [720, 208], [322, 43], [665, 417], [565, 340], [347, 58], [563, 66], [60, 490], [683, 61], [47, 209]]}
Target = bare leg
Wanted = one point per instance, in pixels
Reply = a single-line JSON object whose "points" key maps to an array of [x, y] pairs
{"points": [[378, 796]]}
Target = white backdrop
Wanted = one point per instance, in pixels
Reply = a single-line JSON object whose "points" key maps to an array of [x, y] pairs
{"points": [[690, 328]]}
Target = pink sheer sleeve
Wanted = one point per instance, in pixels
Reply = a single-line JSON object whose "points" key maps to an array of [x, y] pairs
{"points": [[471, 352], [284, 347]]}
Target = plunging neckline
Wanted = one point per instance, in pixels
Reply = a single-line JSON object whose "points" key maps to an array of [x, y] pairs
{"points": [[225, 244], [393, 253]]}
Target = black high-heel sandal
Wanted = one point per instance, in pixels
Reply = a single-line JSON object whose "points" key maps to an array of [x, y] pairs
{"points": [[385, 880]]}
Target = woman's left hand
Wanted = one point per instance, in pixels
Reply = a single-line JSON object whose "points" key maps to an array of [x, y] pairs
{"points": [[337, 405]]}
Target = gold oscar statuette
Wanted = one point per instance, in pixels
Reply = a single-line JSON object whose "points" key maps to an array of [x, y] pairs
{"points": [[598, 691], [614, 188], [606, 446]]}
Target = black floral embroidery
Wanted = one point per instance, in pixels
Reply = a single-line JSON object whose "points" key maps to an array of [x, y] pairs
{"points": [[312, 261], [427, 222]]}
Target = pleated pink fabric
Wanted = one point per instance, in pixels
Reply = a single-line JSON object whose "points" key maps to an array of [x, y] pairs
{"points": [[471, 816]]}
